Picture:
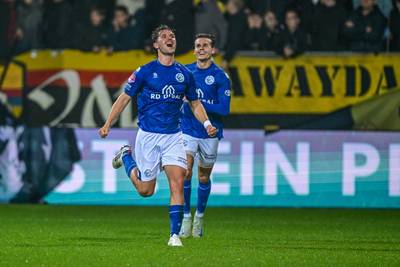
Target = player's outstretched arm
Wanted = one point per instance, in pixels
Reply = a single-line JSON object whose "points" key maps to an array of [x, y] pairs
{"points": [[116, 109], [201, 115]]}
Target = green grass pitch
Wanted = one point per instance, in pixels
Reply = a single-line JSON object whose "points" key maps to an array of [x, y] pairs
{"points": [[137, 236]]}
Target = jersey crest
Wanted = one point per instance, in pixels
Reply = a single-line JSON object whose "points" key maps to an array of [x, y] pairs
{"points": [[209, 80], [179, 77]]}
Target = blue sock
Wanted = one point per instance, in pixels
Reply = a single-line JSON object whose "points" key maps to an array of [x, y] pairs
{"points": [[129, 163], [187, 189], [175, 218], [203, 192]]}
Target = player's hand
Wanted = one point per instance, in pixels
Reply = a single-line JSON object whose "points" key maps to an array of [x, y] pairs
{"points": [[211, 131], [103, 131]]}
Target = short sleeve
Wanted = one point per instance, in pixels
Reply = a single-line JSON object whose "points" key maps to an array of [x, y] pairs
{"points": [[134, 83], [224, 84], [190, 92]]}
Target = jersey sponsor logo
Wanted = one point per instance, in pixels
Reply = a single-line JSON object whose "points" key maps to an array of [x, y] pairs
{"points": [[132, 78], [168, 91], [200, 93], [208, 101], [228, 92], [209, 80], [179, 77]]}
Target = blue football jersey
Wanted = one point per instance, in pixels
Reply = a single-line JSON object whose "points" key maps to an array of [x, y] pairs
{"points": [[213, 89], [160, 91]]}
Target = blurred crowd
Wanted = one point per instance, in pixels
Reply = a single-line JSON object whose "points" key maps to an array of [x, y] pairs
{"points": [[287, 27]]}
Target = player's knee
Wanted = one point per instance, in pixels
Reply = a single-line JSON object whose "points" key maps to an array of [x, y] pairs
{"points": [[188, 174], [204, 178], [146, 192]]}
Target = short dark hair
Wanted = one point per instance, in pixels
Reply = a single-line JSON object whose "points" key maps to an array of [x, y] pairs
{"points": [[156, 31], [99, 10], [208, 36], [123, 9], [292, 11]]}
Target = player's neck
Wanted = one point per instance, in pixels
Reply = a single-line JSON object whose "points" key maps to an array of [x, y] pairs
{"points": [[166, 60], [204, 64]]}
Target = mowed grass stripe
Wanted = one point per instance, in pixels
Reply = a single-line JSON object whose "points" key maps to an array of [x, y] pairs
{"points": [[137, 236]]}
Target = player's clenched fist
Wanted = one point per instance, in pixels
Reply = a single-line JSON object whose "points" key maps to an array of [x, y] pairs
{"points": [[103, 131], [211, 131]]}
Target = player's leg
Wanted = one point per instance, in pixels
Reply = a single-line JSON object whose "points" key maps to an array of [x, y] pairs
{"points": [[187, 190], [124, 157], [191, 146], [207, 157], [174, 163], [175, 176], [187, 185], [203, 192], [147, 155]]}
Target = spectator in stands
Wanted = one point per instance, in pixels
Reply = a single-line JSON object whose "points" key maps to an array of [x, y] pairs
{"points": [[29, 20], [237, 27], [209, 19], [327, 25], [305, 11], [81, 9], [277, 7], [152, 10], [270, 31], [365, 28], [132, 5], [137, 16], [394, 26], [262, 31], [57, 24], [384, 5], [90, 35], [254, 32], [122, 36], [292, 41], [179, 14], [7, 29]]}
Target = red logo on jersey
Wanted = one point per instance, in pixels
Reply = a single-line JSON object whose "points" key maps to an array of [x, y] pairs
{"points": [[132, 78]]}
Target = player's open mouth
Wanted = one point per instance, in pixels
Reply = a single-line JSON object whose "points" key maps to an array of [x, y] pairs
{"points": [[170, 45]]}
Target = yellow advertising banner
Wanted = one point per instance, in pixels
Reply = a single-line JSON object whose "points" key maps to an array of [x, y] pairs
{"points": [[310, 84], [11, 89]]}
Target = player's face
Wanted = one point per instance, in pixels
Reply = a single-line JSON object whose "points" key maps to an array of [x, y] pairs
{"points": [[203, 49], [166, 42]]}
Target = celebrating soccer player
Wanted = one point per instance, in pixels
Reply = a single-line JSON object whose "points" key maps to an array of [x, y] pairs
{"points": [[213, 89], [160, 87]]}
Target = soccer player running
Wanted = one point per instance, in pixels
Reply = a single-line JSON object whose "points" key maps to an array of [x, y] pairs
{"points": [[160, 87], [213, 89]]}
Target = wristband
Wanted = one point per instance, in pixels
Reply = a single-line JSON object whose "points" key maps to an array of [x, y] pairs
{"points": [[206, 123]]}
